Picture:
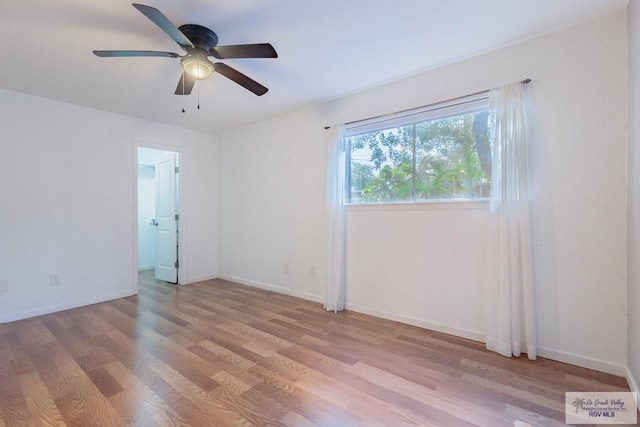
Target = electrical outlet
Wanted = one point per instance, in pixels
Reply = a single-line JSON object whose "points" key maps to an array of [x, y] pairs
{"points": [[54, 279], [312, 271], [285, 269], [4, 286]]}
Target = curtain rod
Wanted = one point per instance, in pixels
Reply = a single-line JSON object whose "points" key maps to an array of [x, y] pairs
{"points": [[524, 82]]}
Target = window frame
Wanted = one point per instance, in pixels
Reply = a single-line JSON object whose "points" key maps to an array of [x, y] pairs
{"points": [[442, 110]]}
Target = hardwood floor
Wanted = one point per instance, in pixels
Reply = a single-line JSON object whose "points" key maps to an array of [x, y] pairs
{"points": [[218, 354]]}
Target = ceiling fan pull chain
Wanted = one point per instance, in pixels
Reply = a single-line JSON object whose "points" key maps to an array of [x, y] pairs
{"points": [[198, 86], [183, 75]]}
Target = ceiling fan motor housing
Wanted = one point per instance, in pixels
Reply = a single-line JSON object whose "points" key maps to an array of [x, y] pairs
{"points": [[200, 36]]}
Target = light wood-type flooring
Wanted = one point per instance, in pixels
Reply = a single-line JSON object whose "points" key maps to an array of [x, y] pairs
{"points": [[222, 354]]}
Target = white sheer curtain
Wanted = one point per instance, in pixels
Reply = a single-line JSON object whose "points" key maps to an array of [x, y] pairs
{"points": [[337, 239], [511, 319]]}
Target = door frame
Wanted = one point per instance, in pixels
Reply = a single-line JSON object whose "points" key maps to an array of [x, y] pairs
{"points": [[181, 199]]}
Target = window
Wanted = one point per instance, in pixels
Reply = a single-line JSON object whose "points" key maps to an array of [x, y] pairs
{"points": [[436, 152]]}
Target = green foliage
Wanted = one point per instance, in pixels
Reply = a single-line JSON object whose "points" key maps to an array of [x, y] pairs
{"points": [[391, 184], [361, 174], [452, 157]]}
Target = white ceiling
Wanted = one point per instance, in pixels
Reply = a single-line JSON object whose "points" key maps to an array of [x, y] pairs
{"points": [[327, 49]]}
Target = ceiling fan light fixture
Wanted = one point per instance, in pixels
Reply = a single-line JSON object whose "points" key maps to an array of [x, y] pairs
{"points": [[198, 67]]}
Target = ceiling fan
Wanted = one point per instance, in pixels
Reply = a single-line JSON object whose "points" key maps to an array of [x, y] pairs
{"points": [[199, 43]]}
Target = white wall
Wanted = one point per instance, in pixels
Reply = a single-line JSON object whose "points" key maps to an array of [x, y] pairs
{"points": [[424, 264], [633, 354], [272, 205], [67, 203]]}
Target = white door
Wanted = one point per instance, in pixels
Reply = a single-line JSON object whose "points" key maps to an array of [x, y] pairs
{"points": [[167, 221]]}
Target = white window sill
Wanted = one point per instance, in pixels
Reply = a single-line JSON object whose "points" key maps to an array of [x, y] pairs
{"points": [[442, 204]]}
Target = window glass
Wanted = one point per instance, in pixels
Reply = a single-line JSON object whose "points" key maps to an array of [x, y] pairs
{"points": [[438, 153]]}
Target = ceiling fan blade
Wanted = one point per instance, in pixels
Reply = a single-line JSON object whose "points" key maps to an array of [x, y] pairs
{"points": [[244, 81], [165, 25], [260, 50], [185, 84], [128, 53]]}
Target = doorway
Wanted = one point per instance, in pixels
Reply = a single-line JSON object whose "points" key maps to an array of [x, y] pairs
{"points": [[159, 214]]}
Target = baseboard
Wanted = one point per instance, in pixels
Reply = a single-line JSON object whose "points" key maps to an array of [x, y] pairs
{"points": [[146, 267], [191, 280], [583, 361], [274, 288], [560, 356], [633, 385], [360, 309], [12, 317], [426, 324]]}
